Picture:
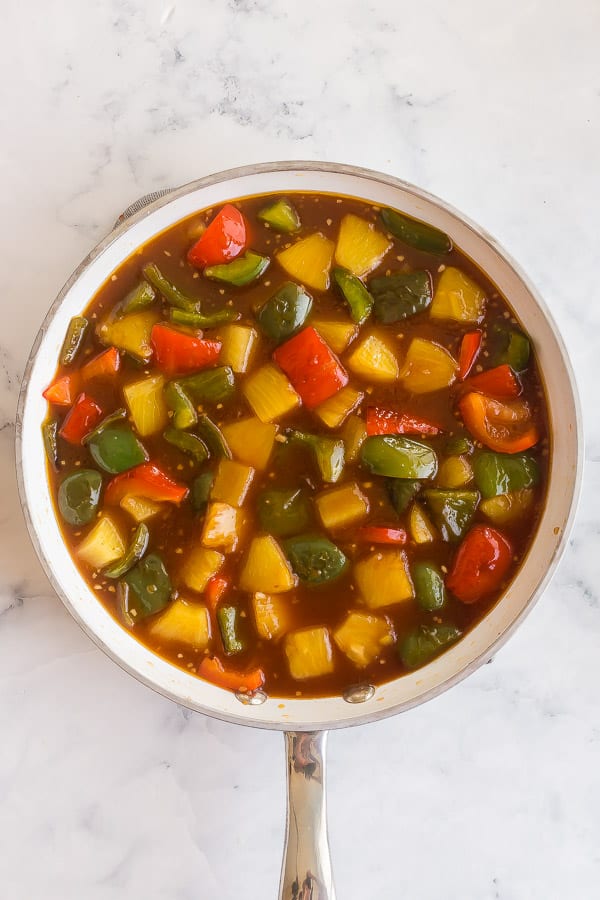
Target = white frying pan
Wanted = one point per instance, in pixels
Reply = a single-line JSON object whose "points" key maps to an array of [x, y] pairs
{"points": [[306, 870]]}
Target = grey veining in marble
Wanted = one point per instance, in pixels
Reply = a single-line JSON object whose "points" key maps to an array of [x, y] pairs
{"points": [[491, 791]]}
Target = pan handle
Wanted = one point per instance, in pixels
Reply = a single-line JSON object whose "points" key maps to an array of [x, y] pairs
{"points": [[306, 871]]}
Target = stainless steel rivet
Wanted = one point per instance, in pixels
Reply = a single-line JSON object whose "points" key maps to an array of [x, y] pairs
{"points": [[358, 693], [253, 699]]}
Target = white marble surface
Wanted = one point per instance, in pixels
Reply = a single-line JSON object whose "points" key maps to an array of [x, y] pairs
{"points": [[491, 791]]}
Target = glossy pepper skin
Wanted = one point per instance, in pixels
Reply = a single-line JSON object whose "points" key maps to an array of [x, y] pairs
{"points": [[500, 382], [83, 416], [146, 481], [177, 353], [313, 368], [469, 351], [213, 670], [391, 421], [224, 239], [481, 563], [501, 473], [503, 427]]}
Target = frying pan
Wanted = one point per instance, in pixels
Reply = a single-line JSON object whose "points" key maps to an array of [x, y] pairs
{"points": [[306, 869]]}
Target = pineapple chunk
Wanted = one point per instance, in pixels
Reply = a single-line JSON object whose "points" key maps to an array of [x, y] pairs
{"points": [[102, 545], [354, 434], [457, 297], [232, 482], [309, 653], [221, 527], [383, 578], [131, 333], [309, 261], [421, 529], [507, 508], [335, 411], [270, 394], [239, 343], [186, 623], [374, 360], [454, 472], [139, 508], [146, 403], [200, 566], [342, 506], [337, 334], [362, 637], [265, 568], [427, 367], [251, 441], [360, 247], [271, 615]]}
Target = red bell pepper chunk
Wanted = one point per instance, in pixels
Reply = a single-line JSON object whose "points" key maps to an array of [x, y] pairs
{"points": [[503, 427], [214, 671], [62, 391], [224, 239], [391, 421], [468, 353], [148, 481], [83, 416], [214, 590], [482, 562], [312, 367], [499, 382], [381, 534], [176, 352], [106, 363]]}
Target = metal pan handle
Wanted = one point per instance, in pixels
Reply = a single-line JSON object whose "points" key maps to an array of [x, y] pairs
{"points": [[306, 870]]}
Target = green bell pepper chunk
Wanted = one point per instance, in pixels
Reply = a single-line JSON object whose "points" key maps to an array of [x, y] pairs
{"points": [[145, 589], [188, 443], [355, 294], [74, 339], [284, 512], [172, 295], [114, 446], [213, 437], [401, 492], [452, 511], [211, 386], [50, 439], [414, 233], [458, 446], [396, 456], [142, 296], [200, 492], [180, 405], [502, 473], [430, 590], [328, 452], [135, 551], [401, 295], [241, 271], [203, 320], [79, 496], [425, 642], [281, 216], [514, 349], [285, 312], [228, 618], [314, 559]]}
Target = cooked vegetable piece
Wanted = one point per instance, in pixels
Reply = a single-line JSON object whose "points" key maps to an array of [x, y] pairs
{"points": [[265, 568], [392, 421], [452, 511], [148, 481], [516, 351], [140, 297], [309, 653], [312, 367], [130, 333], [194, 319], [457, 297], [383, 578], [184, 623], [269, 393], [145, 400], [355, 294], [102, 545], [50, 441], [284, 511], [79, 496], [396, 456], [280, 216], [360, 247], [309, 261], [213, 670], [315, 559], [354, 434], [190, 444], [338, 334], [328, 453], [335, 411], [172, 294], [148, 588], [285, 312], [458, 445], [374, 360], [481, 564], [421, 529], [139, 508], [400, 295], [116, 448], [133, 554], [106, 364], [401, 491], [241, 271], [201, 564], [228, 619], [176, 352], [215, 590], [426, 642], [271, 615], [469, 351], [507, 509], [223, 240], [430, 590], [201, 490], [454, 472], [213, 437], [381, 534], [221, 529], [232, 482], [62, 392], [362, 637], [500, 382], [212, 386], [415, 233], [251, 441], [238, 345], [73, 341], [427, 367], [82, 418], [501, 473], [183, 413], [341, 507], [503, 427]]}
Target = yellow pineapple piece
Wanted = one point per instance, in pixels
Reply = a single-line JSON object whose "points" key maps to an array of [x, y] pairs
{"points": [[271, 615], [420, 527], [457, 297], [145, 400], [265, 568], [374, 360], [354, 434], [309, 653], [183, 622], [360, 247], [362, 636], [269, 393], [309, 260], [383, 578], [221, 527], [232, 482], [139, 508], [338, 335], [335, 411], [200, 566], [102, 545], [239, 343], [454, 472], [342, 506], [251, 441], [130, 333], [507, 508], [427, 367]]}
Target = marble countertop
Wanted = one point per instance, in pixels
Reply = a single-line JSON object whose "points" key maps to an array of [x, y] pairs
{"points": [[109, 791]]}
